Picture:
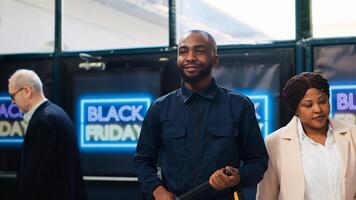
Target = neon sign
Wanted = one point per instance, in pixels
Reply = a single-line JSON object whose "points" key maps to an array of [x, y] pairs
{"points": [[12, 126], [343, 102], [263, 108], [261, 104], [113, 123]]}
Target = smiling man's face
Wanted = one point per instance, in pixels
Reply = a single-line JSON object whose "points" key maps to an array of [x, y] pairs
{"points": [[196, 57]]}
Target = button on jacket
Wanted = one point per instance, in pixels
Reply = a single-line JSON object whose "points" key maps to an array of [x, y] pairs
{"points": [[191, 135]]}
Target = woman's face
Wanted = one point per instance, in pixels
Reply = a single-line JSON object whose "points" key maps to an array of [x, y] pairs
{"points": [[313, 110]]}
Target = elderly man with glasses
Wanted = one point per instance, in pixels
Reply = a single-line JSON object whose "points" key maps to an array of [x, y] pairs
{"points": [[49, 165]]}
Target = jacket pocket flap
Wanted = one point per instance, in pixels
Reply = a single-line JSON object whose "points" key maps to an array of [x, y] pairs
{"points": [[222, 130], [173, 132]]}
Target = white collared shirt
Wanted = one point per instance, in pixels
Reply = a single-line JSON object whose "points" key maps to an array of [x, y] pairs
{"points": [[27, 116], [322, 167]]}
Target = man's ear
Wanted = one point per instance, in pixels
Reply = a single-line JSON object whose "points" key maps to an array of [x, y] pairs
{"points": [[28, 90]]}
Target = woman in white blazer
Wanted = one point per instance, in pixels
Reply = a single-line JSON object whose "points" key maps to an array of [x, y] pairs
{"points": [[313, 157]]}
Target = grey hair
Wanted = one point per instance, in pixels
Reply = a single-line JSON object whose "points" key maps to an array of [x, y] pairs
{"points": [[25, 76]]}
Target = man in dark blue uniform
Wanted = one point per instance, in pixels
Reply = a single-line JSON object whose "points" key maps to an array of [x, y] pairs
{"points": [[49, 167], [199, 131]]}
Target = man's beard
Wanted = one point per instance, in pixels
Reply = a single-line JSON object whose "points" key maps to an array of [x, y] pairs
{"points": [[203, 73]]}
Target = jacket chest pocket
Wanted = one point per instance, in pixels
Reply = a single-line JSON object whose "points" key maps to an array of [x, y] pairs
{"points": [[219, 129], [174, 141], [223, 135]]}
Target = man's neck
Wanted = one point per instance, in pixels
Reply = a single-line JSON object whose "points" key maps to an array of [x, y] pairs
{"points": [[36, 100], [199, 86]]}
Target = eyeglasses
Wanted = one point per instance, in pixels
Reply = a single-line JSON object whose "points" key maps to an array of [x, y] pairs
{"points": [[12, 95]]}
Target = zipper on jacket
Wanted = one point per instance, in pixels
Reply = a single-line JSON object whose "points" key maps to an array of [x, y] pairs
{"points": [[196, 110]]}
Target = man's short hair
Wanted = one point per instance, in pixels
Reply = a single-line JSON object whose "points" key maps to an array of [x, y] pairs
{"points": [[210, 38], [25, 76]]}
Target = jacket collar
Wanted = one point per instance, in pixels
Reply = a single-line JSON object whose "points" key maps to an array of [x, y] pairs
{"points": [[292, 125], [341, 131], [292, 151], [27, 116], [208, 93], [338, 128]]}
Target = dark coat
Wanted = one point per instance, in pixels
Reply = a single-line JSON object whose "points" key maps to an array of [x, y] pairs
{"points": [[49, 166], [191, 135]]}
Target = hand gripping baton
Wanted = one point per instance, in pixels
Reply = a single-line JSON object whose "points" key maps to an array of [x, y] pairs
{"points": [[192, 193]]}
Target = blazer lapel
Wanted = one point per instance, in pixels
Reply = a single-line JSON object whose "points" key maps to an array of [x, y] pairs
{"points": [[340, 133], [292, 157]]}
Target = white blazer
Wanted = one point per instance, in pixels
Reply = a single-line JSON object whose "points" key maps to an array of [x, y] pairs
{"points": [[284, 178]]}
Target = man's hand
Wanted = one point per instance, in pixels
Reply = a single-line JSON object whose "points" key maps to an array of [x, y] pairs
{"points": [[220, 180], [160, 193]]}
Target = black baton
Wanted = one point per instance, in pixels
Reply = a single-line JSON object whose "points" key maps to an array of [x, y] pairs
{"points": [[192, 193]]}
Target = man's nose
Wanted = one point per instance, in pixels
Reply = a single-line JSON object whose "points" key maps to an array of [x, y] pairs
{"points": [[191, 56]]}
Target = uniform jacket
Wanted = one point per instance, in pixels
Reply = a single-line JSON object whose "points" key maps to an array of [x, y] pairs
{"points": [[49, 167], [191, 135], [284, 178]]}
